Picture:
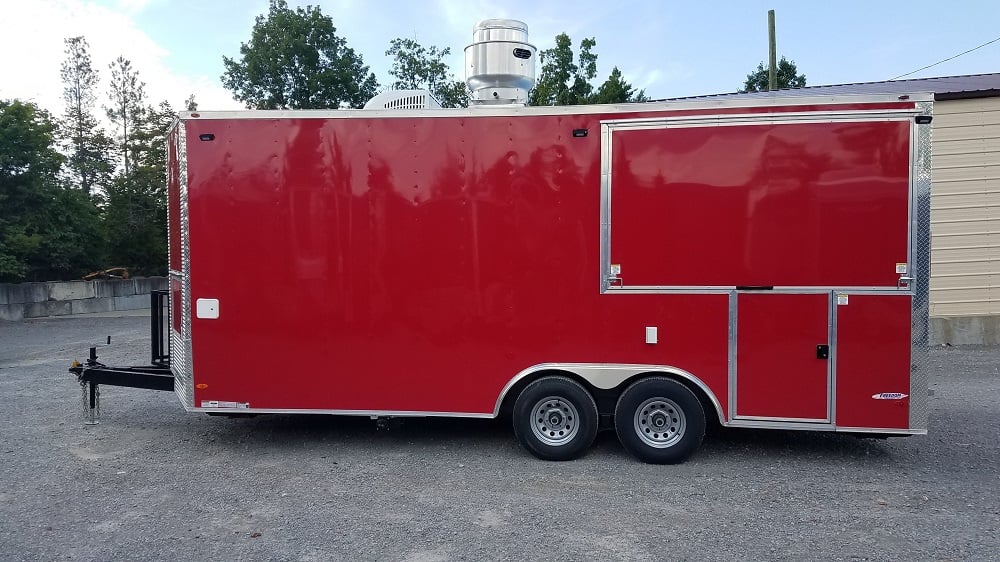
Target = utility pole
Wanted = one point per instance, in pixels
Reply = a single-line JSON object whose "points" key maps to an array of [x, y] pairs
{"points": [[772, 72]]}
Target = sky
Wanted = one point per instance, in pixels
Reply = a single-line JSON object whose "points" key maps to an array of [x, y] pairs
{"points": [[668, 48]]}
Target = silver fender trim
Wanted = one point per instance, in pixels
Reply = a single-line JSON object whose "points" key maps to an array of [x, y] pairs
{"points": [[607, 376]]}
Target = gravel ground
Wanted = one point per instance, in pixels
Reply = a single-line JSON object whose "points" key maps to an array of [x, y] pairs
{"points": [[154, 482]]}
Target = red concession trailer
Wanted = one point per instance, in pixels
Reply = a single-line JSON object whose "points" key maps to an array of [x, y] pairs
{"points": [[761, 263]]}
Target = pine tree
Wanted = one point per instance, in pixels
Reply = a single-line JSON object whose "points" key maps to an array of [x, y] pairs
{"points": [[127, 96], [88, 146]]}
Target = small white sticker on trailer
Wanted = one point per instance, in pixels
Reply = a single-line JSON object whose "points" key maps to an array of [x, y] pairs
{"points": [[651, 335], [207, 308]]}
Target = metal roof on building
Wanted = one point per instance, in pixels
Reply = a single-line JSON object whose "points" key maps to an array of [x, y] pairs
{"points": [[943, 88]]}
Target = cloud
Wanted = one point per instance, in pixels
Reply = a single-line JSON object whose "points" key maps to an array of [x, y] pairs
{"points": [[132, 6], [32, 43]]}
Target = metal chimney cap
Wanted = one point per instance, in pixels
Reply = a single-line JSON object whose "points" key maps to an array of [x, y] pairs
{"points": [[500, 63], [500, 24]]}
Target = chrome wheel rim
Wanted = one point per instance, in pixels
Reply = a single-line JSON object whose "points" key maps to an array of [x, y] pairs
{"points": [[660, 422], [554, 421]]}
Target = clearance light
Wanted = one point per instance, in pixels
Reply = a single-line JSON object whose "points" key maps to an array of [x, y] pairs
{"points": [[201, 386]]}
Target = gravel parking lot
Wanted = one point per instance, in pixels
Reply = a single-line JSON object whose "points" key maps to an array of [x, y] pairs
{"points": [[155, 482]]}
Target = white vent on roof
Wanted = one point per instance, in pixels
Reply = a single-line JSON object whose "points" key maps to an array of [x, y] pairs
{"points": [[403, 99]]}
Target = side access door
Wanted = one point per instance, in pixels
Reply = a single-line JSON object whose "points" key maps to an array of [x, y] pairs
{"points": [[782, 356]]}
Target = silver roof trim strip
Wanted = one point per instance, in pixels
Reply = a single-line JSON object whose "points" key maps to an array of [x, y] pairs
{"points": [[506, 111]]}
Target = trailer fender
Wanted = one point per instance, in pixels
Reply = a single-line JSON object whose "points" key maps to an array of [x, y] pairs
{"points": [[609, 376]]}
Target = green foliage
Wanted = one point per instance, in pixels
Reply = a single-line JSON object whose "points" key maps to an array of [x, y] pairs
{"points": [[616, 90], [295, 60], [419, 67], [562, 81], [135, 215], [136, 222], [788, 77], [29, 164], [75, 244], [128, 98], [89, 163], [46, 231]]}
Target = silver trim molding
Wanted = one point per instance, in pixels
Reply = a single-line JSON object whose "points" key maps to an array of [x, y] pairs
{"points": [[180, 351], [375, 413], [920, 192], [506, 111]]}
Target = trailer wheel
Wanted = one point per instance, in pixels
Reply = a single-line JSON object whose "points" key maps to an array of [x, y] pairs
{"points": [[660, 421], [555, 418]]}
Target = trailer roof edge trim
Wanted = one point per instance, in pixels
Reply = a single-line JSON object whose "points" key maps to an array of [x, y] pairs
{"points": [[490, 111]]}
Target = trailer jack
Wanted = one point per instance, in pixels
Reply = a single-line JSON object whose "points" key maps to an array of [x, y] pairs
{"points": [[156, 376]]}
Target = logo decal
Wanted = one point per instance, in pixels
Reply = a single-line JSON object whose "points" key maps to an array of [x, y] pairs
{"points": [[889, 396]]}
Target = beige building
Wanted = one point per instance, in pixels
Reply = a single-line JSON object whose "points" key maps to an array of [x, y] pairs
{"points": [[965, 208], [965, 199]]}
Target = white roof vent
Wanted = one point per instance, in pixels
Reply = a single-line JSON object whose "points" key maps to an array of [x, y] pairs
{"points": [[403, 99], [500, 63]]}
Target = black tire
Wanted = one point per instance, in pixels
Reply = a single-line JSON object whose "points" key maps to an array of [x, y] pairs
{"points": [[555, 418], [660, 421]]}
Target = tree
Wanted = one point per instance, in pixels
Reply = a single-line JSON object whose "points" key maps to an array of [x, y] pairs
{"points": [[557, 72], [128, 97], [416, 66], [616, 90], [46, 232], [295, 60], [190, 104], [28, 167], [89, 148], [788, 77], [136, 211], [586, 71], [565, 82]]}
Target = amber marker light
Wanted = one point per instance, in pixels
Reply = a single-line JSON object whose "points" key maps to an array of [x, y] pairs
{"points": [[201, 386]]}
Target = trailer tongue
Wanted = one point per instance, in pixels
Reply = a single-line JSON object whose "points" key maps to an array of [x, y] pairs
{"points": [[156, 376]]}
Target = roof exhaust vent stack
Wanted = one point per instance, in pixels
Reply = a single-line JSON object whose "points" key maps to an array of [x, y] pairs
{"points": [[500, 63]]}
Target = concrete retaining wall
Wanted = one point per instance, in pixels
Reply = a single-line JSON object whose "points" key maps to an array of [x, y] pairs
{"points": [[57, 298], [965, 330]]}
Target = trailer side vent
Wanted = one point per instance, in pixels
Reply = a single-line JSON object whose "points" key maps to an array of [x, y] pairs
{"points": [[403, 99]]}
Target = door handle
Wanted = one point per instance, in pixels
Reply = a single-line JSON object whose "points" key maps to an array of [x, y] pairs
{"points": [[822, 351], [904, 281]]}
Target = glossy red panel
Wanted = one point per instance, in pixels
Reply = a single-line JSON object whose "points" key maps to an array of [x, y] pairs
{"points": [[417, 264], [173, 201], [873, 362], [413, 264], [778, 374], [807, 204]]}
